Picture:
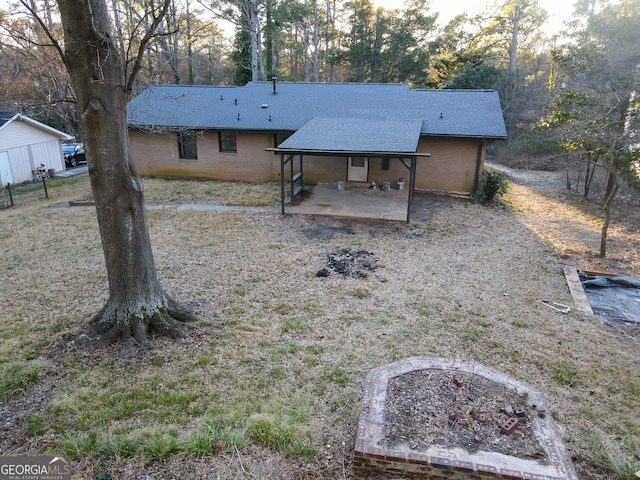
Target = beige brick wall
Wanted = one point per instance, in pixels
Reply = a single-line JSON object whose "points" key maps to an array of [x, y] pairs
{"points": [[156, 154], [451, 167]]}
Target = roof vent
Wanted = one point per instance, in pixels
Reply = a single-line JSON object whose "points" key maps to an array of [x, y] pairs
{"points": [[269, 117], [235, 101], [441, 115], [264, 105], [274, 80], [221, 97], [238, 116]]}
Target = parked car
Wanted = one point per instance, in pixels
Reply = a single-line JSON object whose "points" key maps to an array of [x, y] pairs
{"points": [[73, 154]]}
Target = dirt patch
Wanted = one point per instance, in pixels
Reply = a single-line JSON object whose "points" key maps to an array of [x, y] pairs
{"points": [[326, 231], [349, 262], [431, 407], [83, 200]]}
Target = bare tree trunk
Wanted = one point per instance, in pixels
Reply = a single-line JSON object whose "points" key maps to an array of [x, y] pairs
{"points": [[119, 32], [268, 41], [174, 43], [253, 26], [261, 71], [513, 54], [328, 33], [137, 302], [589, 174], [189, 33], [316, 43], [305, 54], [48, 16], [607, 212]]}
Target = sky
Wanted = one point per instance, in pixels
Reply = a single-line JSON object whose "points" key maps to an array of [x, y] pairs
{"points": [[559, 10]]}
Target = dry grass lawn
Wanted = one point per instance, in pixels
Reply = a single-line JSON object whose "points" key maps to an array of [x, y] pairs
{"points": [[268, 384]]}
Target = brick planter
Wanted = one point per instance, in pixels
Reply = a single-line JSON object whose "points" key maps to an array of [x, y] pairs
{"points": [[444, 463]]}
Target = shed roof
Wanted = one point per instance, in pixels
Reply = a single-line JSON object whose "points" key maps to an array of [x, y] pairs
{"points": [[34, 123], [256, 106]]}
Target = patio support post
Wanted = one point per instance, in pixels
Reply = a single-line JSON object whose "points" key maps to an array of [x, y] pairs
{"points": [[282, 162], [291, 181], [413, 178], [412, 184]]}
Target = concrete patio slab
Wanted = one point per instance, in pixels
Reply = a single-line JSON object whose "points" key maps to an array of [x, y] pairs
{"points": [[356, 200]]}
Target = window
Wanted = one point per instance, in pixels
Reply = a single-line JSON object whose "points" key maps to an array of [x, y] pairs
{"points": [[187, 145], [227, 141], [385, 164], [357, 162]]}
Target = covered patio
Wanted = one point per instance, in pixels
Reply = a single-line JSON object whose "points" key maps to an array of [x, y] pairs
{"points": [[356, 200], [349, 138]]}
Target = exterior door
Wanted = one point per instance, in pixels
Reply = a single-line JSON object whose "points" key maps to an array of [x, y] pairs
{"points": [[358, 169], [5, 169]]}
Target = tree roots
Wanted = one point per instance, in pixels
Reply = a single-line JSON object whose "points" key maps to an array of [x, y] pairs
{"points": [[132, 326]]}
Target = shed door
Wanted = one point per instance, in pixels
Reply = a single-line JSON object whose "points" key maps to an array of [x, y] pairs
{"points": [[358, 169], [5, 169]]}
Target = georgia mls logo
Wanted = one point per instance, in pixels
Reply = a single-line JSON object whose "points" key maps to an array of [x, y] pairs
{"points": [[34, 468]]}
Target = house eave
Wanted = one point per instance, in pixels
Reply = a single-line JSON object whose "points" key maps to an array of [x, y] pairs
{"points": [[347, 153]]}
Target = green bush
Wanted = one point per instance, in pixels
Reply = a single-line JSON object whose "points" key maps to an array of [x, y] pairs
{"points": [[492, 184]]}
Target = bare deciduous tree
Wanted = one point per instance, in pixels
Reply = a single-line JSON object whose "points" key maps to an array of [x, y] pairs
{"points": [[137, 303]]}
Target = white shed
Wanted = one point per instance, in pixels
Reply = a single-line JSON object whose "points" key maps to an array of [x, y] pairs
{"points": [[26, 144]]}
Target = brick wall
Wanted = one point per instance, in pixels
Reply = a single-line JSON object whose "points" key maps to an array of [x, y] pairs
{"points": [[156, 154], [451, 167]]}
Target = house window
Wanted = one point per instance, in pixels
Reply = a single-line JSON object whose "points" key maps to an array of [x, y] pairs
{"points": [[385, 164], [357, 162], [227, 141], [187, 145]]}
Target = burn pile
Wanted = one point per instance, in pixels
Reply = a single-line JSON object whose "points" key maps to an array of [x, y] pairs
{"points": [[348, 262]]}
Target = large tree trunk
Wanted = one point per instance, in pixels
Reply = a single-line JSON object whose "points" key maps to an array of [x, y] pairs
{"points": [[136, 302]]}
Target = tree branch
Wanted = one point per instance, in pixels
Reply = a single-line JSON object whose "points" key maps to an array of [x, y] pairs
{"points": [[54, 42], [143, 44]]}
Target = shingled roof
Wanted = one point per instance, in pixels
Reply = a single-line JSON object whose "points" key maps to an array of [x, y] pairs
{"points": [[290, 106]]}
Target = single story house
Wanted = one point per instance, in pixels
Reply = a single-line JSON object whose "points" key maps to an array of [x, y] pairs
{"points": [[25, 145], [345, 131]]}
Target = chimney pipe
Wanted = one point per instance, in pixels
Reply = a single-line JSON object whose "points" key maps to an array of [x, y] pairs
{"points": [[274, 80]]}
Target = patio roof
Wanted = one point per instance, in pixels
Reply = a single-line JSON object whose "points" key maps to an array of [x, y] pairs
{"points": [[351, 137], [359, 135]]}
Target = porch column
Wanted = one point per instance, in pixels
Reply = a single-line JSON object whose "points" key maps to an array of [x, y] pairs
{"points": [[282, 181]]}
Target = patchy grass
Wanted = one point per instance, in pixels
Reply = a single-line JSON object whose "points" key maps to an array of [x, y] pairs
{"points": [[159, 191], [17, 378], [269, 383], [566, 372]]}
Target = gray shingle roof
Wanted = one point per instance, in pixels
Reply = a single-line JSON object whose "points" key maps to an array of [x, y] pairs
{"points": [[359, 135], [460, 113]]}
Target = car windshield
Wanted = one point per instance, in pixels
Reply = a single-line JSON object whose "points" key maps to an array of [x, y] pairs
{"points": [[68, 148]]}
